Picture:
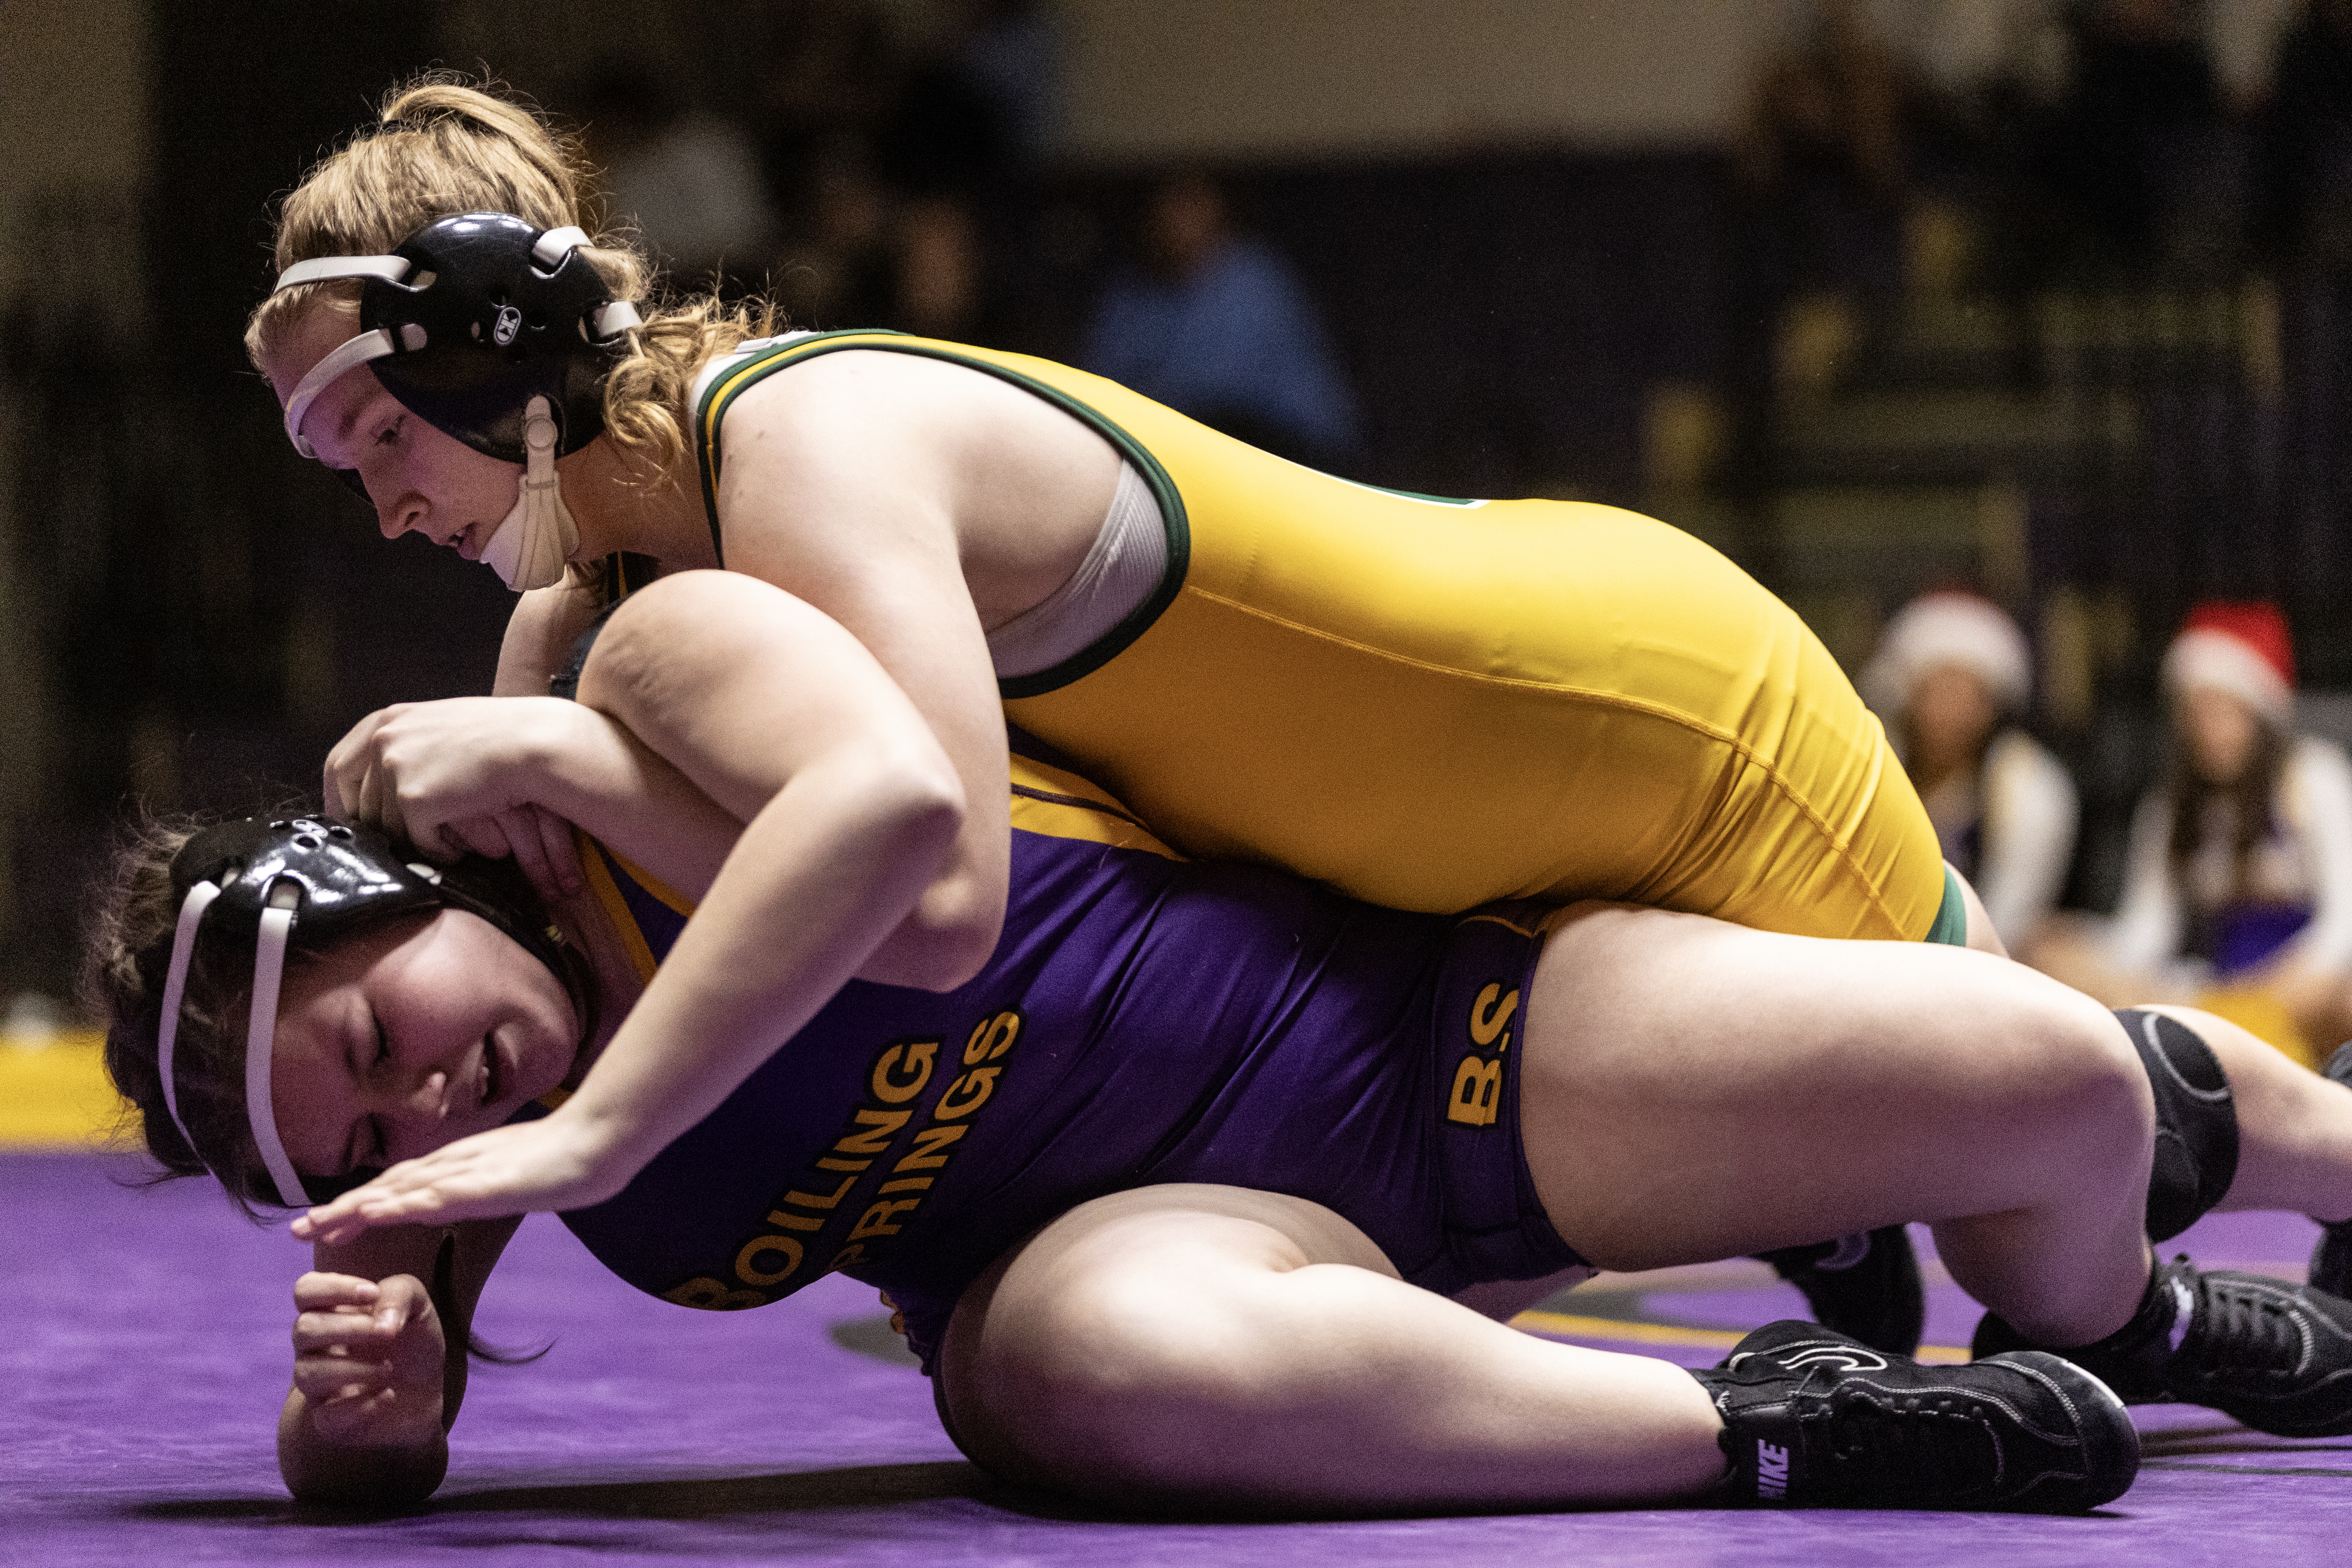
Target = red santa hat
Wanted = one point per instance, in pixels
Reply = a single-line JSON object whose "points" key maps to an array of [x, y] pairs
{"points": [[1948, 627], [2240, 646]]}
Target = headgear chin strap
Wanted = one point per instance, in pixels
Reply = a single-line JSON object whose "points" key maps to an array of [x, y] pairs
{"points": [[532, 543], [470, 319], [332, 876]]}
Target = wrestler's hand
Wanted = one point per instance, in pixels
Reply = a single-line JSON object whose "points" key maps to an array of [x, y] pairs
{"points": [[464, 773], [530, 1167], [368, 1359]]}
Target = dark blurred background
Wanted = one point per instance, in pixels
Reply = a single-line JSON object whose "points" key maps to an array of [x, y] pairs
{"points": [[2047, 297]]}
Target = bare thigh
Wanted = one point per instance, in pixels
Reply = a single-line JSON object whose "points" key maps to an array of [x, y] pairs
{"points": [[1694, 1090], [1204, 1346]]}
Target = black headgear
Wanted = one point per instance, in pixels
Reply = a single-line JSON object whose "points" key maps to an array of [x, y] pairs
{"points": [[251, 882], [468, 320]]}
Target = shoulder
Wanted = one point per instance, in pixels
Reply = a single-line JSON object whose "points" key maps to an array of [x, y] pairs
{"points": [[2016, 760], [674, 615], [854, 415], [2317, 768], [837, 385]]}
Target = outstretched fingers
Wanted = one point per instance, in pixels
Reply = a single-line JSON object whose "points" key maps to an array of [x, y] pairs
{"points": [[528, 1167], [401, 1196]]}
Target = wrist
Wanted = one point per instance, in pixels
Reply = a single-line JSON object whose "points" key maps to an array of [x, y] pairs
{"points": [[609, 1142], [395, 1465]]}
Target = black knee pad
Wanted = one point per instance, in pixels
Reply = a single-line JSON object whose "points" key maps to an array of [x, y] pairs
{"points": [[2196, 1121]]}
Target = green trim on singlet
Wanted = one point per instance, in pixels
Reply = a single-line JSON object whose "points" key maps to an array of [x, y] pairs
{"points": [[1951, 926], [711, 412], [1406, 495]]}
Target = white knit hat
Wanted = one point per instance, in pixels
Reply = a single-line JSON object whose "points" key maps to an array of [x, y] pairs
{"points": [[1948, 627]]}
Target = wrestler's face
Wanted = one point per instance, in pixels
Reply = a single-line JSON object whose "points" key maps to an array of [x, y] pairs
{"points": [[418, 478], [410, 1034], [2220, 730]]}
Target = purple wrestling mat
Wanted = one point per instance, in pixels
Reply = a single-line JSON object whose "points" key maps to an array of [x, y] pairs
{"points": [[143, 1355]]}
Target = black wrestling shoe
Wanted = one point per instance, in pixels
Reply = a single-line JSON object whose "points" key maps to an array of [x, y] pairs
{"points": [[2277, 1357], [2331, 1259], [1866, 1286], [1815, 1419]]}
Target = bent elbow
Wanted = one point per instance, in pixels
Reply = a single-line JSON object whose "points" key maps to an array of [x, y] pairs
{"points": [[945, 941], [962, 942], [951, 931]]}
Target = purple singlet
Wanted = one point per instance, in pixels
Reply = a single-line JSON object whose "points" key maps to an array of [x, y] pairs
{"points": [[1144, 1020]]}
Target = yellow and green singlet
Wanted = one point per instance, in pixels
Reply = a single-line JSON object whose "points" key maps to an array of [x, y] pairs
{"points": [[1433, 704]]}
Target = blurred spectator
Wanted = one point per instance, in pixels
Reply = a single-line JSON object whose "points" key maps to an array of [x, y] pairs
{"points": [[1011, 57], [936, 276], [1832, 105], [2244, 36], [690, 181], [1824, 151], [836, 267], [1952, 676], [2310, 136], [941, 134], [1216, 325], [2240, 877], [976, 106], [830, 73], [2141, 155]]}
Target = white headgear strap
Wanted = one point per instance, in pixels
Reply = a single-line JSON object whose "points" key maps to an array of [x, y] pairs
{"points": [[261, 1029], [349, 355], [175, 986], [533, 542]]}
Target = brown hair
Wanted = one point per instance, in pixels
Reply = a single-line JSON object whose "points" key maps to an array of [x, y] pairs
{"points": [[2250, 795], [443, 144]]}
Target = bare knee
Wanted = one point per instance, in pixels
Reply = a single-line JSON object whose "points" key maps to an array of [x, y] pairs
{"points": [[1128, 1385], [1135, 1349], [2075, 1068]]}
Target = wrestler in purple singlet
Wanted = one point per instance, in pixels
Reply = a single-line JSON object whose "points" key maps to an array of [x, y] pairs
{"points": [[1144, 1020]]}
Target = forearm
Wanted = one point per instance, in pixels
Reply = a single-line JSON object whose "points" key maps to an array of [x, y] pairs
{"points": [[592, 772], [538, 636], [317, 1469], [827, 871]]}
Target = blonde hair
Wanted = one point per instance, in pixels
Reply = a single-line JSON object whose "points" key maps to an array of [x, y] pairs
{"points": [[444, 144]]}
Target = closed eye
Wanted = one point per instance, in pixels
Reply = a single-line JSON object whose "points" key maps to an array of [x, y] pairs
{"points": [[373, 1151]]}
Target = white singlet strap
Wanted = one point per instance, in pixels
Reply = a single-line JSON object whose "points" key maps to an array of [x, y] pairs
{"points": [[352, 354], [327, 268], [269, 969], [175, 986]]}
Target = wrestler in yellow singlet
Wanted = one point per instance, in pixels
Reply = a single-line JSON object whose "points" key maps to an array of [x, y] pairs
{"points": [[1432, 703]]}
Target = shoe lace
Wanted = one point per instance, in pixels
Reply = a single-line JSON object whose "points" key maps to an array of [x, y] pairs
{"points": [[2244, 1330], [1909, 1444]]}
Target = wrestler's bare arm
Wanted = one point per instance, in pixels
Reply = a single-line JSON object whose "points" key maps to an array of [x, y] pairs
{"points": [[783, 719], [379, 1372]]}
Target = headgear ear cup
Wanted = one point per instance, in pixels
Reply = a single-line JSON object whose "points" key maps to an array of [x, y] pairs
{"points": [[471, 317]]}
